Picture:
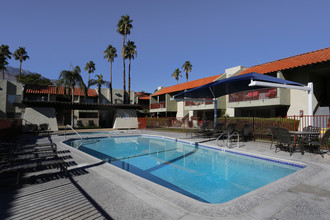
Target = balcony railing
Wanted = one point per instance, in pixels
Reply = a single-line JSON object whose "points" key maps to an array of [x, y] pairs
{"points": [[158, 105], [259, 94], [197, 103]]}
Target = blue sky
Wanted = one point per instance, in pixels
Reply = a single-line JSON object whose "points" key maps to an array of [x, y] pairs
{"points": [[212, 34]]}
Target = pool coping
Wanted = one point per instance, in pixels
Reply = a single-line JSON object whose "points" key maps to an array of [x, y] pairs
{"points": [[137, 185]]}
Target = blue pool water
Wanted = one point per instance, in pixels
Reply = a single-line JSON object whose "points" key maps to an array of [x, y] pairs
{"points": [[207, 175]]}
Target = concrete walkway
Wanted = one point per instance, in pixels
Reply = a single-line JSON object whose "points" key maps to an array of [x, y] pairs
{"points": [[99, 190]]}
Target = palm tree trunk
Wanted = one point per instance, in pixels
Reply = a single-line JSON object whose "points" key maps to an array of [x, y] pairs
{"points": [[111, 99], [98, 102], [124, 83], [187, 76], [20, 69], [72, 111], [129, 81], [124, 78], [89, 79]]}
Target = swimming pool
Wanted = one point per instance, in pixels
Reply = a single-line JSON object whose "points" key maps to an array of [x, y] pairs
{"points": [[205, 174]]}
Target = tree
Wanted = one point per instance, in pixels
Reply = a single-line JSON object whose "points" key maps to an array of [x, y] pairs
{"points": [[187, 68], [21, 55], [4, 55], [34, 79], [130, 52], [110, 54], [90, 67], [124, 27], [176, 74], [68, 79], [99, 82]]}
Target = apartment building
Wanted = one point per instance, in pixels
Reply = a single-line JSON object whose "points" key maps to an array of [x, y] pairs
{"points": [[271, 102]]}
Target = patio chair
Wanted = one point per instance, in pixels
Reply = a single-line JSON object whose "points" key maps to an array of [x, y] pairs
{"points": [[324, 142], [285, 141], [273, 132]]}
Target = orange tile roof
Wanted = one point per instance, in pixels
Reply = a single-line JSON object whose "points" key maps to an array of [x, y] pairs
{"points": [[145, 97], [52, 90], [186, 85], [304, 59]]}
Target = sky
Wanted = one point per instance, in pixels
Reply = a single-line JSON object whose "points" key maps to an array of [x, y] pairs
{"points": [[213, 35]]}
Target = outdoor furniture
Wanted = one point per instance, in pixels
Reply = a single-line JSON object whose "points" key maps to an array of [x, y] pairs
{"points": [[273, 131], [216, 131], [285, 141], [272, 93], [231, 128], [324, 142], [307, 137], [43, 128], [202, 131], [20, 159], [246, 132]]}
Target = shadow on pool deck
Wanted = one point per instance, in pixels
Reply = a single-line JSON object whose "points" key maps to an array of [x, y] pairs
{"points": [[49, 195]]}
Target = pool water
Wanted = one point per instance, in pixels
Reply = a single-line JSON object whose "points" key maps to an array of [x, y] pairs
{"points": [[207, 175]]}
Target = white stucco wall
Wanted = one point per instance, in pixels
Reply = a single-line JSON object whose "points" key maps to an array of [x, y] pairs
{"points": [[39, 115], [126, 119]]}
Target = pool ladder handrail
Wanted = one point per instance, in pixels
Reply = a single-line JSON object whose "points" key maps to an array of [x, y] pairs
{"points": [[235, 133], [74, 132]]}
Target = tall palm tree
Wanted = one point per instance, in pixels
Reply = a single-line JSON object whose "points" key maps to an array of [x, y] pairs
{"points": [[130, 52], [69, 79], [124, 27], [187, 68], [21, 55], [99, 82], [110, 53], [176, 74], [4, 54], [90, 67]]}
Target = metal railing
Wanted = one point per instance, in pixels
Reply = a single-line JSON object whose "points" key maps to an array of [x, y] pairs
{"points": [[81, 139]]}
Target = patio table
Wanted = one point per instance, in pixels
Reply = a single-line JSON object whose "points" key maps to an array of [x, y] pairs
{"points": [[303, 137]]}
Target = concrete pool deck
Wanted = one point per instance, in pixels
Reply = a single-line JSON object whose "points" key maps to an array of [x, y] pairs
{"points": [[110, 192]]}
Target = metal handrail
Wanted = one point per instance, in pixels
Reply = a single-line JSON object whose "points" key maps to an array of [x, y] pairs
{"points": [[74, 132]]}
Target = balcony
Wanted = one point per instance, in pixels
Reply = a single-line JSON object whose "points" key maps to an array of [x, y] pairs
{"points": [[261, 97], [158, 105], [197, 103]]}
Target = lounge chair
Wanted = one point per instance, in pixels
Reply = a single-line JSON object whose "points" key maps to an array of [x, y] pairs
{"points": [[285, 141], [202, 131], [43, 128], [217, 129], [21, 159], [231, 128]]}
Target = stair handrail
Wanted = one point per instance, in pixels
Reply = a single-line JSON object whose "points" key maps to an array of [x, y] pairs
{"points": [[81, 139]]}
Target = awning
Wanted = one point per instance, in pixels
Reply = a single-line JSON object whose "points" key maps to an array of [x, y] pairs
{"points": [[232, 85]]}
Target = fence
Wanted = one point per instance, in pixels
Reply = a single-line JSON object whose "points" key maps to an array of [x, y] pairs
{"points": [[260, 125], [10, 128]]}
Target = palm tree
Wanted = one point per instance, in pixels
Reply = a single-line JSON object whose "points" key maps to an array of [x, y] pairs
{"points": [[110, 54], [124, 27], [187, 68], [68, 79], [90, 67], [4, 54], [130, 51], [21, 55], [176, 74], [99, 82]]}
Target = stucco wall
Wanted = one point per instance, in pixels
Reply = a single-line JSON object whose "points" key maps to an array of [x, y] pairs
{"points": [[38, 115], [125, 119]]}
